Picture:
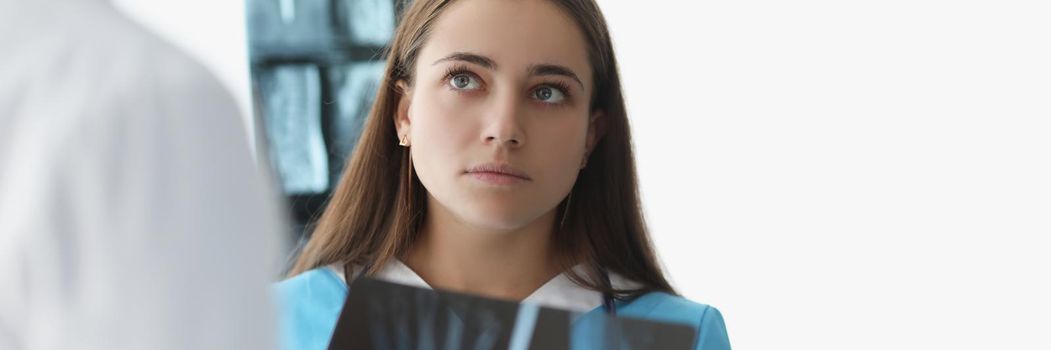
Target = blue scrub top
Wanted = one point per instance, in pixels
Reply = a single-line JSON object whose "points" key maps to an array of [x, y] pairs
{"points": [[310, 304]]}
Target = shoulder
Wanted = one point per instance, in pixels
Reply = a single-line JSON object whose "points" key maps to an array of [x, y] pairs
{"points": [[309, 305], [116, 81], [664, 307], [319, 280], [94, 42]]}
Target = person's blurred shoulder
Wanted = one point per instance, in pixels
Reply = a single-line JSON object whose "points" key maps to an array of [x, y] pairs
{"points": [[103, 67]]}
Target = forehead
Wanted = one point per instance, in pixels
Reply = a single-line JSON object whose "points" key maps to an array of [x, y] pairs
{"points": [[513, 33]]}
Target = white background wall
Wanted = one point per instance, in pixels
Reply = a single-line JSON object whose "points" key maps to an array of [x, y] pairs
{"points": [[830, 174], [848, 174]]}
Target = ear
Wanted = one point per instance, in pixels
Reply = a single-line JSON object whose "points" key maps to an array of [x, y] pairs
{"points": [[596, 130], [402, 122]]}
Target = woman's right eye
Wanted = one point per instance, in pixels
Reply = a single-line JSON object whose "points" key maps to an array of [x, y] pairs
{"points": [[464, 82]]}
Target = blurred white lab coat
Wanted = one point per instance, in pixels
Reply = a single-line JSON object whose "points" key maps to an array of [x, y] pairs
{"points": [[131, 213]]}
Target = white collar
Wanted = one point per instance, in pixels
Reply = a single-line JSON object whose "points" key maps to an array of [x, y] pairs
{"points": [[560, 292]]}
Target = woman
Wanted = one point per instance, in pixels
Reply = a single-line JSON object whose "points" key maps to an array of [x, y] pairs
{"points": [[496, 161]]}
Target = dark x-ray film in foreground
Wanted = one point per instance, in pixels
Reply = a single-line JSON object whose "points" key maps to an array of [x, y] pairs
{"points": [[389, 316]]}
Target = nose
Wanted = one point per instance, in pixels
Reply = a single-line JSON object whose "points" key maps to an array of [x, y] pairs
{"points": [[503, 125]]}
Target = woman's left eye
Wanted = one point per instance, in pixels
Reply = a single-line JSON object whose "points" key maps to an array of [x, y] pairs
{"points": [[548, 94]]}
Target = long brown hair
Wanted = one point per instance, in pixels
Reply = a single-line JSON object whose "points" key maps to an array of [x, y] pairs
{"points": [[377, 209]]}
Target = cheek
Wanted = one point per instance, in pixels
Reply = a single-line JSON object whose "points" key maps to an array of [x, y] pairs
{"points": [[440, 118], [559, 145], [561, 137], [430, 122], [439, 137]]}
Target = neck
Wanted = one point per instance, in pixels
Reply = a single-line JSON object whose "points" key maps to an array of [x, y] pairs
{"points": [[504, 264]]}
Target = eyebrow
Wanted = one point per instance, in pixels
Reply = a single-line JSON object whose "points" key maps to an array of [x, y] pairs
{"points": [[469, 57], [536, 69], [554, 69]]}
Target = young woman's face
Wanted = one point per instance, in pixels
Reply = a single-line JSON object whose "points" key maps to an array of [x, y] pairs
{"points": [[505, 84]]}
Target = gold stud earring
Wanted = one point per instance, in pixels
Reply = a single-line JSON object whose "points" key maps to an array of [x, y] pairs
{"points": [[404, 142]]}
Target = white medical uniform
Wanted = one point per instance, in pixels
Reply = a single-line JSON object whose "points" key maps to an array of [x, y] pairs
{"points": [[131, 213], [559, 292]]}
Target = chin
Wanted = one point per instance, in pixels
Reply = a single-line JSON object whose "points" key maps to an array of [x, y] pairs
{"points": [[497, 218]]}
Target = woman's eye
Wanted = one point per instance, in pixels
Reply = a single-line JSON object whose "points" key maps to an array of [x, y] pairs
{"points": [[549, 94], [463, 82]]}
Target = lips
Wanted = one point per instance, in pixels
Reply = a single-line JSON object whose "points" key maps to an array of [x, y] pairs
{"points": [[498, 170]]}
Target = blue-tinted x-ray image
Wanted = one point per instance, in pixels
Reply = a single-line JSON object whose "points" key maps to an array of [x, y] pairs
{"points": [[315, 66], [354, 86], [292, 117]]}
